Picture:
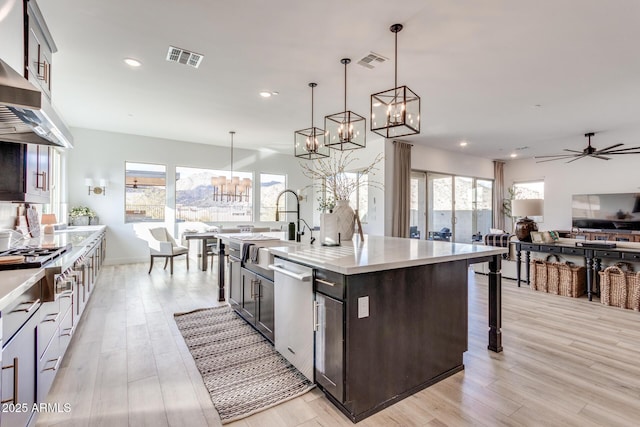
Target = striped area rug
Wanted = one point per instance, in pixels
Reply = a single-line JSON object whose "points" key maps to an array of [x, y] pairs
{"points": [[242, 371]]}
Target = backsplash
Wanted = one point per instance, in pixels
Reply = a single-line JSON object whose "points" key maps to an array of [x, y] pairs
{"points": [[8, 213]]}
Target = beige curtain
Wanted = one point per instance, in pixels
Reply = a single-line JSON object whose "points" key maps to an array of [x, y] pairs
{"points": [[498, 194], [401, 189]]}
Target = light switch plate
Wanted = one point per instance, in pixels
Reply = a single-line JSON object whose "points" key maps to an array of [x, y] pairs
{"points": [[363, 307]]}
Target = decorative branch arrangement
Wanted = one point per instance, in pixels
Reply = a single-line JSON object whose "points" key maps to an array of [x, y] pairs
{"points": [[330, 173]]}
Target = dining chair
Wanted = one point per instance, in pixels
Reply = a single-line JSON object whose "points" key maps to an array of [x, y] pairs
{"points": [[163, 245]]}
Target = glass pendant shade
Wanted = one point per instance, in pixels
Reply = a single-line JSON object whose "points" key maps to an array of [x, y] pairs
{"points": [[309, 143], [345, 130], [395, 112]]}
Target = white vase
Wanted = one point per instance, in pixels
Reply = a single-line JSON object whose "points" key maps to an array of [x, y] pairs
{"points": [[346, 219]]}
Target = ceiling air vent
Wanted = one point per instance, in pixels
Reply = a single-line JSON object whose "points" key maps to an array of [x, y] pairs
{"points": [[372, 60], [182, 56]]}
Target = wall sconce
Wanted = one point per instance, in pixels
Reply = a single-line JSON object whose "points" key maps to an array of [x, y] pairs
{"points": [[101, 189]]}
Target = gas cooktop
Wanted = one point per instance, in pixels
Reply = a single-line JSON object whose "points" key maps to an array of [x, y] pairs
{"points": [[29, 257]]}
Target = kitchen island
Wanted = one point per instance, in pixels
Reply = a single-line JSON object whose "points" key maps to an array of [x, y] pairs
{"points": [[390, 315]]}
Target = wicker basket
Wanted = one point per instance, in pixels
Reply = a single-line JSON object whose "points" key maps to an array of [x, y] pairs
{"points": [[620, 286], [545, 275], [572, 281]]}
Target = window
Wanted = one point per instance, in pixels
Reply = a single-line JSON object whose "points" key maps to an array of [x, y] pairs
{"points": [[204, 195], [529, 190], [270, 186], [145, 192]]}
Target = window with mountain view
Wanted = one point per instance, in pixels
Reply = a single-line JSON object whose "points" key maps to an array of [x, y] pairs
{"points": [[270, 186], [145, 192], [209, 195]]}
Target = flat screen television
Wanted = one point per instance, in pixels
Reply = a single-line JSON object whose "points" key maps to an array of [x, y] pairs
{"points": [[616, 211]]}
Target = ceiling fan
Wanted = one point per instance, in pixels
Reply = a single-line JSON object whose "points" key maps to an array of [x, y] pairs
{"points": [[590, 151]]}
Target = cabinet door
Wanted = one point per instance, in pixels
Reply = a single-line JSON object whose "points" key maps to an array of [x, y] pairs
{"points": [[19, 374], [235, 284], [248, 282], [265, 315], [37, 174], [329, 350]]}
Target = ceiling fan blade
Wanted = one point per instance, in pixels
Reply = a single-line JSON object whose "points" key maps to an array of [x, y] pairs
{"points": [[620, 150], [608, 148], [557, 155], [578, 158], [598, 156], [551, 160]]}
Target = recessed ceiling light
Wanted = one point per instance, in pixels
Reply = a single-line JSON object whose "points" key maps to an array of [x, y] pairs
{"points": [[513, 155], [132, 62], [463, 143], [376, 104], [268, 93]]}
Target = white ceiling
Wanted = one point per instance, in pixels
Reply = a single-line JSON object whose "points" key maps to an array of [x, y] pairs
{"points": [[480, 67]]}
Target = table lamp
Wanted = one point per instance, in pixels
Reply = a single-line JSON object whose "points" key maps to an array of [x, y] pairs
{"points": [[48, 220], [523, 208]]}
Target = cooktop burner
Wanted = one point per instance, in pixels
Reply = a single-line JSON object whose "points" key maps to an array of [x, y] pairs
{"points": [[33, 257]]}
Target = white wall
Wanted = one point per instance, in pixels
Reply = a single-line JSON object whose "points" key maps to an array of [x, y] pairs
{"points": [[433, 160], [621, 174], [99, 154], [11, 34]]}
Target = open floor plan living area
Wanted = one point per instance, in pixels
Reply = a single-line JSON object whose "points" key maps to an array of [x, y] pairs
{"points": [[319, 214]]}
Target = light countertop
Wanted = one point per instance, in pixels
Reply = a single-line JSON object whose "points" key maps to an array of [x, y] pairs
{"points": [[14, 282], [376, 253]]}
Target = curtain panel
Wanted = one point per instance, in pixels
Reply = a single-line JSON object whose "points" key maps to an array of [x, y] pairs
{"points": [[401, 189]]}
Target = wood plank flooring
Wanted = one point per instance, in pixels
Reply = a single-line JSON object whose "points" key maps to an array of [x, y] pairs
{"points": [[566, 362]]}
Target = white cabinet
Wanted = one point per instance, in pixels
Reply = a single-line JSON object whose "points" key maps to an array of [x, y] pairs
{"points": [[294, 314]]}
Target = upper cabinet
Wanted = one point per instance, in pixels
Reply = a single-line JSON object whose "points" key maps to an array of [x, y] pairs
{"points": [[39, 49], [12, 33], [25, 172]]}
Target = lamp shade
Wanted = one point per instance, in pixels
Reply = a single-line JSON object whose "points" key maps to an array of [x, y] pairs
{"points": [[48, 219], [527, 207]]}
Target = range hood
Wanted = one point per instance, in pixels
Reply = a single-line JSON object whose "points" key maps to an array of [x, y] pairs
{"points": [[26, 116]]}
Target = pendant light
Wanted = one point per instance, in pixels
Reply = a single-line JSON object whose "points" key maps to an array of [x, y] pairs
{"points": [[346, 130], [309, 143], [232, 189], [395, 112]]}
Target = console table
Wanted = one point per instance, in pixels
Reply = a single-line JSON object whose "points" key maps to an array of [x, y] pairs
{"points": [[592, 257]]}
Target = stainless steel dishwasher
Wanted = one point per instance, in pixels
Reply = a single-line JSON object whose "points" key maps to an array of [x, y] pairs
{"points": [[293, 308]]}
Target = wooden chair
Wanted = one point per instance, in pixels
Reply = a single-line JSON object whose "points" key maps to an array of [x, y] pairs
{"points": [[162, 245]]}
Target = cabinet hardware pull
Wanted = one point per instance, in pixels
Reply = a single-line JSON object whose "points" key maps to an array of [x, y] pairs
{"points": [[326, 378], [67, 334], [54, 367], [324, 282], [316, 325], [14, 399], [289, 348], [33, 305], [52, 317]]}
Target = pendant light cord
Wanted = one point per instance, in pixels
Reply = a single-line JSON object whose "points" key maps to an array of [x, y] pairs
{"points": [[345, 84], [231, 132], [396, 61]]}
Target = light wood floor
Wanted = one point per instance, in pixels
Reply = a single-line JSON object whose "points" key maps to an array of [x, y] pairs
{"points": [[566, 362]]}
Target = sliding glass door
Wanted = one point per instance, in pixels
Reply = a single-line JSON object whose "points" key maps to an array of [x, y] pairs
{"points": [[450, 208]]}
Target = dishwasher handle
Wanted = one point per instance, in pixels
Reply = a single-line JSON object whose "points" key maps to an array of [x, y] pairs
{"points": [[305, 277]]}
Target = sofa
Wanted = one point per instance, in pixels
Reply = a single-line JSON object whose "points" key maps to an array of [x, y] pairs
{"points": [[509, 266]]}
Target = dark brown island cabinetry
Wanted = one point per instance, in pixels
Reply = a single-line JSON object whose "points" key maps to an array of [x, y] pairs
{"points": [[382, 336], [251, 295], [24, 172]]}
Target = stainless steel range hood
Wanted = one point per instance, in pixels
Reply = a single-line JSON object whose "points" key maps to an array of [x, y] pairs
{"points": [[26, 116]]}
